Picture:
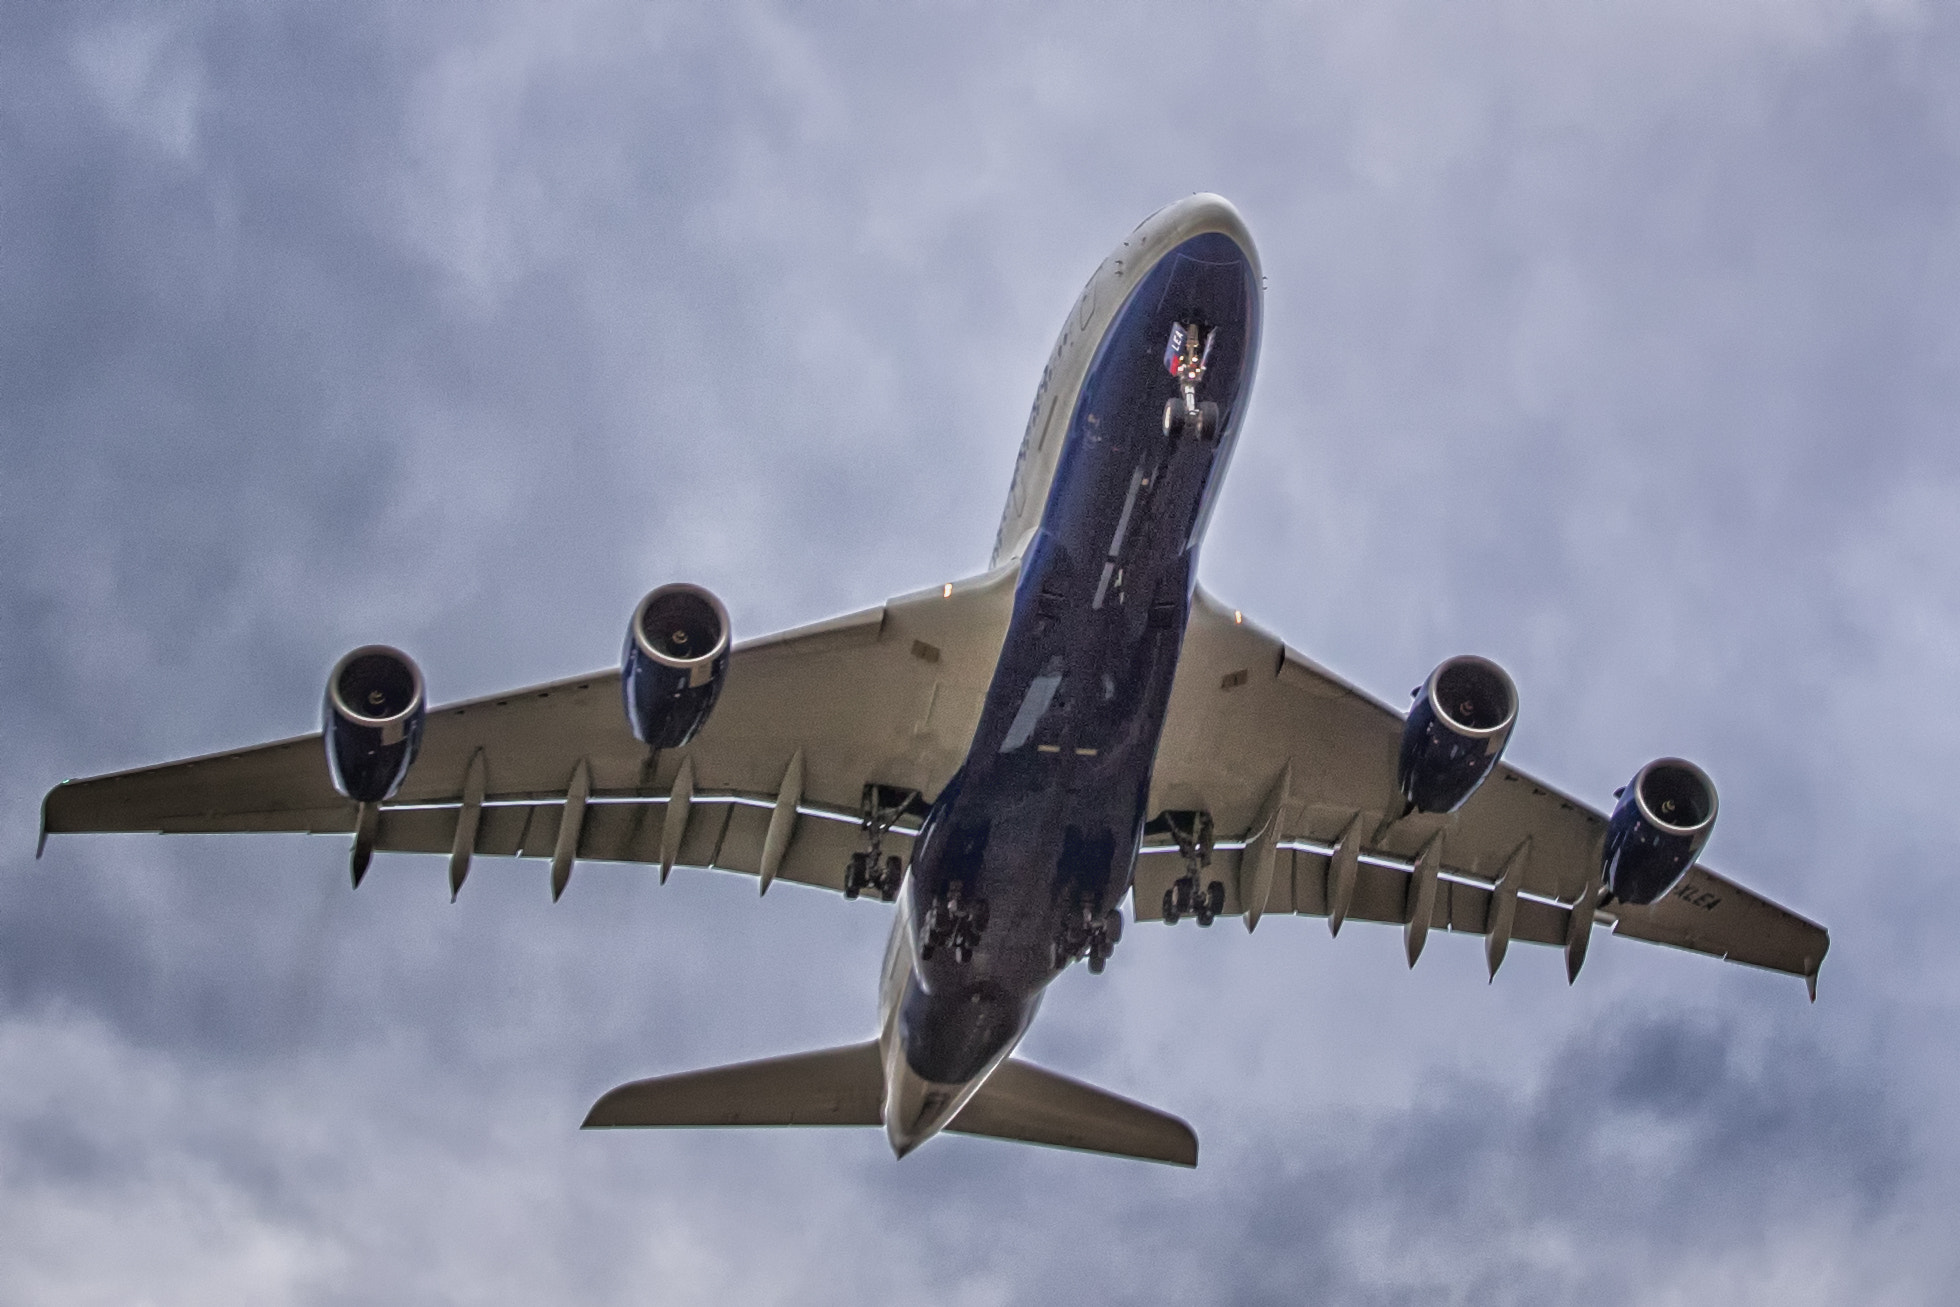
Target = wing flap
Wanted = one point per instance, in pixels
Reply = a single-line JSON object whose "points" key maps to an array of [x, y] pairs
{"points": [[1381, 895], [1706, 913]]}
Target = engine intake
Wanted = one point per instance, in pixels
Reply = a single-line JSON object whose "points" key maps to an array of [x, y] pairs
{"points": [[1655, 834], [372, 721], [1455, 733], [676, 658]]}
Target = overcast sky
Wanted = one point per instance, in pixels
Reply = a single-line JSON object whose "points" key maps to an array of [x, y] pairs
{"points": [[1619, 342]]}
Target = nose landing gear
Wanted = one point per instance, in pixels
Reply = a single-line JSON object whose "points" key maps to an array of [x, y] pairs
{"points": [[1185, 356], [1193, 832]]}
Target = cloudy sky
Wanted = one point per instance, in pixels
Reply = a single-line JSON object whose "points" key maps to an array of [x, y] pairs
{"points": [[1620, 342]]}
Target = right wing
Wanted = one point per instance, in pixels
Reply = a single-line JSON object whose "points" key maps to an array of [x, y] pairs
{"points": [[807, 720], [1294, 763]]}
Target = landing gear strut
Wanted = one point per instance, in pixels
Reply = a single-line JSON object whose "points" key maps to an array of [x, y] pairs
{"points": [[872, 870], [1193, 833], [1185, 356], [1084, 934], [953, 922]]}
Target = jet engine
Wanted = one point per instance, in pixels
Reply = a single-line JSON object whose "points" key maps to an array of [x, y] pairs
{"points": [[676, 658], [1658, 830], [372, 721], [1455, 732]]}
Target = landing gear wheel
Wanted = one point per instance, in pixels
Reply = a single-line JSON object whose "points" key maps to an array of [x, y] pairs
{"points": [[854, 876], [1203, 913], [1215, 897], [1176, 414], [1096, 961], [1171, 914], [894, 873], [1207, 422]]}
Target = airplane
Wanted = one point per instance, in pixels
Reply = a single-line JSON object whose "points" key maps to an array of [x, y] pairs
{"points": [[1008, 759]]}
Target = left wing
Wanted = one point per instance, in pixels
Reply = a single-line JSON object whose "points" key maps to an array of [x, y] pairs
{"points": [[1297, 769], [807, 720]]}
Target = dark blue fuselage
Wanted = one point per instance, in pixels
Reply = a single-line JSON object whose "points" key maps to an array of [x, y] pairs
{"points": [[1044, 818]]}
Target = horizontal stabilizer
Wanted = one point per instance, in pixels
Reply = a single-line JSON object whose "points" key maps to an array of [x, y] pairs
{"points": [[845, 1086], [1022, 1101], [832, 1086]]}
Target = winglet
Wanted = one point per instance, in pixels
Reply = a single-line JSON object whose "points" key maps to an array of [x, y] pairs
{"points": [[41, 844]]}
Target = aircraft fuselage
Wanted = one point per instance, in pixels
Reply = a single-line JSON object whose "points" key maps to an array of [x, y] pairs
{"points": [[1035, 839]]}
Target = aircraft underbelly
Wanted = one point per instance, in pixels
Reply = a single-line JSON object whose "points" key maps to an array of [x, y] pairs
{"points": [[1037, 835]]}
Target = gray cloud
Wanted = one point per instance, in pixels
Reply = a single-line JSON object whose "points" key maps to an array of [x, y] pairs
{"points": [[1616, 344]]}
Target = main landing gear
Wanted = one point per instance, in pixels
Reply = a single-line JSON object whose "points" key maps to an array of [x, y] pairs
{"points": [[955, 923], [1085, 934], [872, 870], [1193, 833], [1185, 357], [866, 873]]}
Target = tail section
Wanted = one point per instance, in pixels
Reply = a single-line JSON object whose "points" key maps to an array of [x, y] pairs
{"points": [[845, 1086]]}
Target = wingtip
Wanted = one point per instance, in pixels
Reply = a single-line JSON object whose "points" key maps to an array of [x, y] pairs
{"points": [[1188, 1157], [41, 842]]}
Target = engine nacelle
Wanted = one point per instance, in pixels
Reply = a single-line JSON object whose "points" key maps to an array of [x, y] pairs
{"points": [[676, 658], [1655, 834], [372, 721], [1456, 731]]}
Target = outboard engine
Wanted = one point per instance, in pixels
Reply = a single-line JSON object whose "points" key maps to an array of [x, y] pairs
{"points": [[1458, 727], [372, 721], [1658, 830], [676, 657]]}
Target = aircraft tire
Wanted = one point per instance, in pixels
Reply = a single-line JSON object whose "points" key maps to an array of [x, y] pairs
{"points": [[1176, 416], [1207, 423]]}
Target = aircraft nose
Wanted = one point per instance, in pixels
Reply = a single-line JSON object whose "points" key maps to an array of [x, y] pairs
{"points": [[1202, 213]]}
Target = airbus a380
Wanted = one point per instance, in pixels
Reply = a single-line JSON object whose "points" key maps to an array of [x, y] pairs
{"points": [[1009, 758]]}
